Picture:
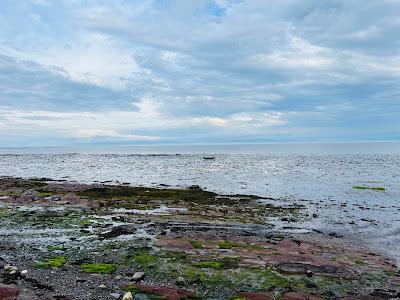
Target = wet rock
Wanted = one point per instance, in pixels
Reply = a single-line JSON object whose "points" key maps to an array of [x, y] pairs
{"points": [[137, 276], [8, 292], [117, 231], [194, 187], [299, 296], [255, 296], [336, 235], [304, 268], [386, 294], [127, 296]]}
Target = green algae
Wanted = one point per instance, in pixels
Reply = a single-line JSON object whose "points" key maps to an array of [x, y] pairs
{"points": [[272, 279], [358, 261], [227, 262], [5, 211], [364, 187], [145, 260], [196, 244], [45, 194], [99, 268], [140, 256], [228, 245], [84, 223], [56, 248], [142, 193], [57, 261], [209, 264]]}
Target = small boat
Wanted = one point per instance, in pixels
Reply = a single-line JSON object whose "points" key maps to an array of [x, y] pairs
{"points": [[209, 157]]}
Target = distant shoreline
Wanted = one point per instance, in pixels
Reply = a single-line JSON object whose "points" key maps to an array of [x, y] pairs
{"points": [[361, 147]]}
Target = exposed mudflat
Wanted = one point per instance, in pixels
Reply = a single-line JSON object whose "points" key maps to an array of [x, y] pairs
{"points": [[324, 183], [63, 240]]}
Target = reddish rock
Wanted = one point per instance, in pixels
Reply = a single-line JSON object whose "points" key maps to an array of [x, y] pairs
{"points": [[165, 292], [8, 292], [256, 262], [274, 260], [255, 296], [299, 296], [289, 246], [175, 244]]}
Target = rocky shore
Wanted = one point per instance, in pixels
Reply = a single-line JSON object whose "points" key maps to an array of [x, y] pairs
{"points": [[63, 240]]}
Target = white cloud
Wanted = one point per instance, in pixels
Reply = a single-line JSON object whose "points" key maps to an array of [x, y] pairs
{"points": [[298, 53], [125, 124], [92, 58], [85, 133]]}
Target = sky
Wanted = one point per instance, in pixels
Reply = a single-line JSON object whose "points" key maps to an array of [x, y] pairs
{"points": [[200, 71]]}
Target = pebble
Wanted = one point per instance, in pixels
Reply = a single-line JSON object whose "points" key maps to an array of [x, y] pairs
{"points": [[11, 269], [137, 276], [128, 296], [23, 272], [102, 286], [115, 295]]}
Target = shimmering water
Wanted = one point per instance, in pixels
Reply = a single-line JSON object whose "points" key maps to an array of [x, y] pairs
{"points": [[320, 176]]}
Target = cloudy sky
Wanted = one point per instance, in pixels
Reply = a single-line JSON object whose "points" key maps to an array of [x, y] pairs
{"points": [[198, 71]]}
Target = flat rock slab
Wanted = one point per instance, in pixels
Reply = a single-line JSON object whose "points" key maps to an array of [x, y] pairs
{"points": [[165, 292]]}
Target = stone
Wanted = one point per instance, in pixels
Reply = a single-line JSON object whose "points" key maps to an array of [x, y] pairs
{"points": [[127, 296], [24, 272], [12, 270], [7, 267], [115, 295], [137, 276], [165, 292], [8, 292], [102, 286]]}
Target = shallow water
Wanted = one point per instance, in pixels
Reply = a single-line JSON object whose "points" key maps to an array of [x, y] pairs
{"points": [[322, 181]]}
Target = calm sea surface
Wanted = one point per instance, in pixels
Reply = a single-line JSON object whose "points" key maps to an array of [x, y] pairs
{"points": [[321, 176]]}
